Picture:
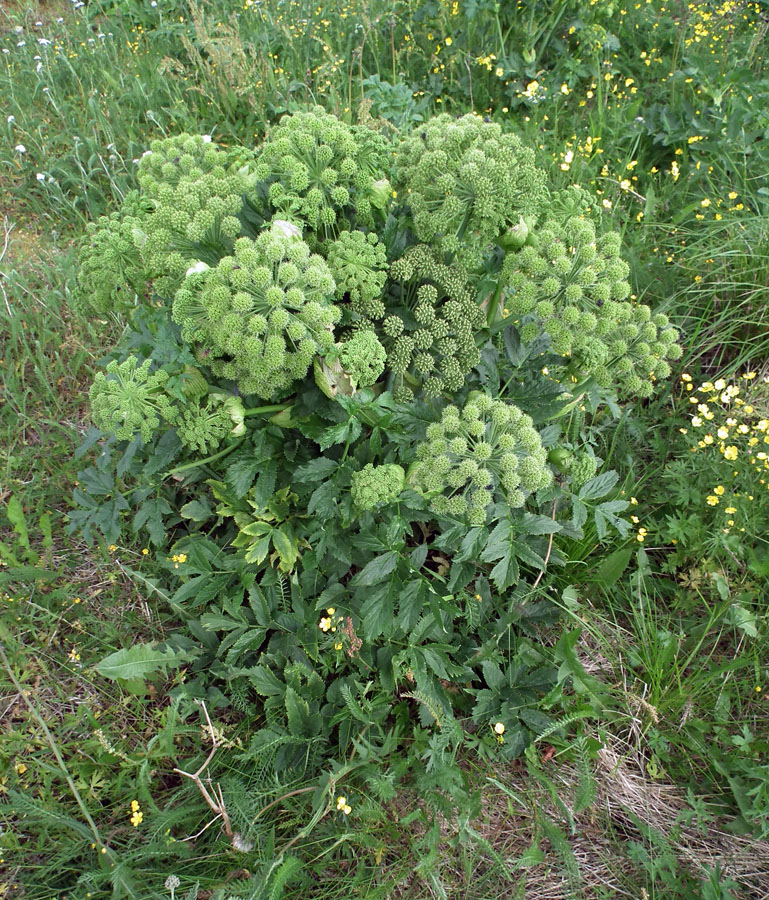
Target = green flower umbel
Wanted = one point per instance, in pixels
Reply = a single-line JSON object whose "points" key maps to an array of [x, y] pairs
{"points": [[376, 485], [128, 400], [489, 449], [465, 182], [262, 314], [310, 163]]}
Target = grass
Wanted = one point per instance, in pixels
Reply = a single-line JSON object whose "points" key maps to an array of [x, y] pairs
{"points": [[673, 651]]}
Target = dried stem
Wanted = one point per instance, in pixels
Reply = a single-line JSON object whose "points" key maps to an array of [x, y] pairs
{"points": [[215, 802]]}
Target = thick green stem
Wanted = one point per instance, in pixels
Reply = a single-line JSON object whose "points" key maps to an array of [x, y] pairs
{"points": [[197, 463], [263, 410]]}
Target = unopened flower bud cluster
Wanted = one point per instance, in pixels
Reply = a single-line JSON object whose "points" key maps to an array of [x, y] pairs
{"points": [[485, 451]]}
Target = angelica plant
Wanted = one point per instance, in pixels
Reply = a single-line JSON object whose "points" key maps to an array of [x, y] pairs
{"points": [[464, 182], [487, 450], [128, 399], [262, 314], [310, 161]]}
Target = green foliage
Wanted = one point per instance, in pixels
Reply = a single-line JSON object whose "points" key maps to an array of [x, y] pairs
{"points": [[248, 506]]}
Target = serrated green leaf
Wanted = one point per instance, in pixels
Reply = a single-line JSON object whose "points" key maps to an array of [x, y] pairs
{"points": [[613, 566], [15, 513], [316, 470], [199, 510], [141, 660], [376, 570], [286, 548], [323, 501], [241, 474], [302, 722], [266, 683], [598, 486], [535, 524]]}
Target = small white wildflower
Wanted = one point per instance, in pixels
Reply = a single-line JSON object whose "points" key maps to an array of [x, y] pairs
{"points": [[6, 50], [20, 148], [40, 176], [22, 44], [44, 42], [11, 119], [39, 67], [18, 29], [195, 269], [206, 138], [288, 229], [172, 882]]}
